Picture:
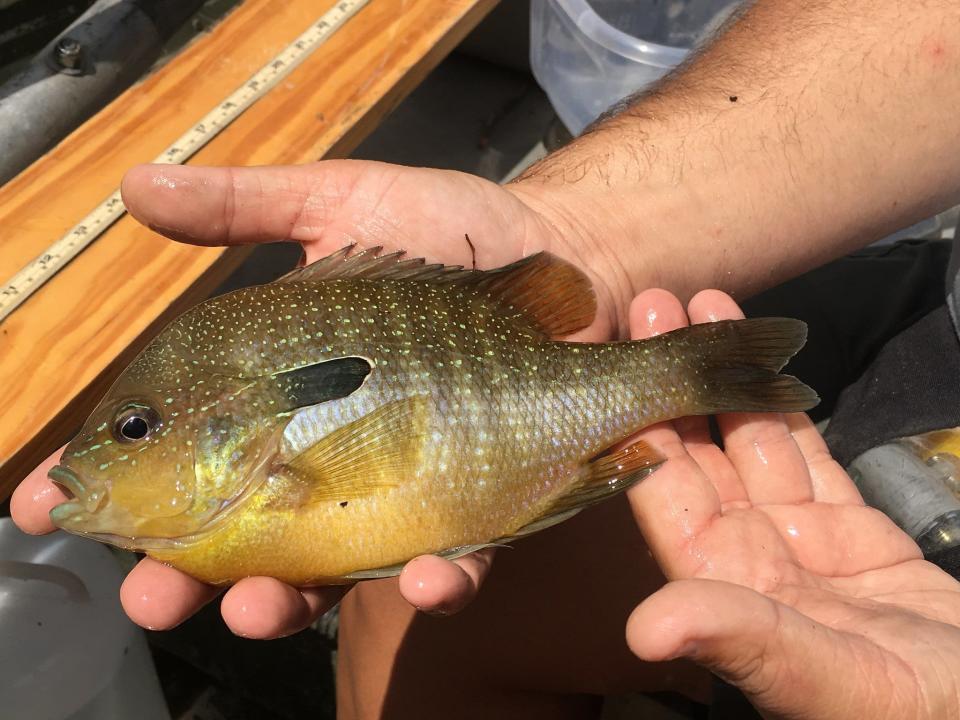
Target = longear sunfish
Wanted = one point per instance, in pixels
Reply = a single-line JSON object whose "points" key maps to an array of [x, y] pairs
{"points": [[366, 409]]}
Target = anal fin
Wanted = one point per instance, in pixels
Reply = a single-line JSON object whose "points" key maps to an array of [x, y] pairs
{"points": [[392, 570], [602, 477]]}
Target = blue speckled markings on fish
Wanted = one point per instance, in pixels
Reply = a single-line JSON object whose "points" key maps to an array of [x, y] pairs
{"points": [[366, 409]]}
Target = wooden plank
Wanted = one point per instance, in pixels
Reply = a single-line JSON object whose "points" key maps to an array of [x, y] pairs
{"points": [[61, 349]]}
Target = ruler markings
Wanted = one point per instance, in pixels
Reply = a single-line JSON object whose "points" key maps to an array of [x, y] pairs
{"points": [[22, 285]]}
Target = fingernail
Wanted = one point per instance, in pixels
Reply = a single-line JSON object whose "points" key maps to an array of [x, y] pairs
{"points": [[174, 233], [435, 612]]}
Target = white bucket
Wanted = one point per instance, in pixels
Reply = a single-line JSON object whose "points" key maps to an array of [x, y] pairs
{"points": [[67, 650]]}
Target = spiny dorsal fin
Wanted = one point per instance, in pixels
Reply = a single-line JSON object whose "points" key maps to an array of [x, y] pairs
{"points": [[368, 263], [551, 295], [375, 452]]}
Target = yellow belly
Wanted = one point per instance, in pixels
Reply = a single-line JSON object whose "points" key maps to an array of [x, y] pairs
{"points": [[322, 544]]}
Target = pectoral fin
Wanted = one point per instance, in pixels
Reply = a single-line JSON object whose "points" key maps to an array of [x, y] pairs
{"points": [[376, 452]]}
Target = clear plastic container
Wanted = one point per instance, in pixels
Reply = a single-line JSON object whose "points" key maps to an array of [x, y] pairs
{"points": [[67, 651], [588, 54]]}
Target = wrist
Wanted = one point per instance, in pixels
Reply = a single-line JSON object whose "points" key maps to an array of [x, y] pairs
{"points": [[576, 229], [621, 204], [738, 175], [684, 194]]}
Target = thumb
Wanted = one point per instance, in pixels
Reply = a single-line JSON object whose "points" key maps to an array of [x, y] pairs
{"points": [[234, 205], [786, 663]]}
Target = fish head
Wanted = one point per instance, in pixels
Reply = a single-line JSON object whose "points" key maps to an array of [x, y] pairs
{"points": [[153, 469]]}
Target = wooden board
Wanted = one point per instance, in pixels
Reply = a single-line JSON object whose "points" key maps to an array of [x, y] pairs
{"points": [[61, 349]]}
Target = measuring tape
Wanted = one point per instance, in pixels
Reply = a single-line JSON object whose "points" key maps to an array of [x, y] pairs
{"points": [[54, 258]]}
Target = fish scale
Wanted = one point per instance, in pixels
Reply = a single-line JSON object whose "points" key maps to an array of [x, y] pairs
{"points": [[367, 409]]}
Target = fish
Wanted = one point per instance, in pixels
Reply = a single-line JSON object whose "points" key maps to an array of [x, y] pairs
{"points": [[368, 408]]}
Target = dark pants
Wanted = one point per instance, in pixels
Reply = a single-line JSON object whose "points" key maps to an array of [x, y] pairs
{"points": [[853, 307]]}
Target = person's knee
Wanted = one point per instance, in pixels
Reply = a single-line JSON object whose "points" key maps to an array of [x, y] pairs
{"points": [[373, 622]]}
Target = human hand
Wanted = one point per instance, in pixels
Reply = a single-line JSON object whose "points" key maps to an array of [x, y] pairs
{"points": [[782, 581], [324, 206]]}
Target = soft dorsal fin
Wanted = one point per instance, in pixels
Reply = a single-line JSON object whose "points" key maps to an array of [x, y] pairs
{"points": [[550, 294], [372, 453]]}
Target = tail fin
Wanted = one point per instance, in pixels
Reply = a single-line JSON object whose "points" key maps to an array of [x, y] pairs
{"points": [[740, 361]]}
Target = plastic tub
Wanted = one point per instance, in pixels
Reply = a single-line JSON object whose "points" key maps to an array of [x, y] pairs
{"points": [[588, 54], [68, 652]]}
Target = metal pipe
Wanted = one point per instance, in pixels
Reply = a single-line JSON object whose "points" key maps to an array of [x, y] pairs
{"points": [[107, 49], [915, 494], [26, 25]]}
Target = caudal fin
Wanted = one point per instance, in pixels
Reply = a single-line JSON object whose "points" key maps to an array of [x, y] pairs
{"points": [[740, 361]]}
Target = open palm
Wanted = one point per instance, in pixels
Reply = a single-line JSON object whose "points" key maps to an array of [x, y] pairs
{"points": [[782, 580]]}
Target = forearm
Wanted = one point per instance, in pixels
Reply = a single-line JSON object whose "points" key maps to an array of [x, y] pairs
{"points": [[808, 129]]}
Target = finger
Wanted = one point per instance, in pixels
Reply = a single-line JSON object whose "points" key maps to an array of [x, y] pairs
{"points": [[714, 463], [35, 497], [831, 483], [441, 587], [229, 206], [159, 597], [759, 445], [330, 204], [262, 608], [655, 311], [673, 507], [868, 538], [756, 644], [677, 502], [651, 313], [710, 307]]}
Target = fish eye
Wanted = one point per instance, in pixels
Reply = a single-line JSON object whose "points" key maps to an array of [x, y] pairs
{"points": [[135, 422]]}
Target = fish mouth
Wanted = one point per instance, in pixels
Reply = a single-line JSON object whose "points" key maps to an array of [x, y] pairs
{"points": [[67, 480], [80, 498]]}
